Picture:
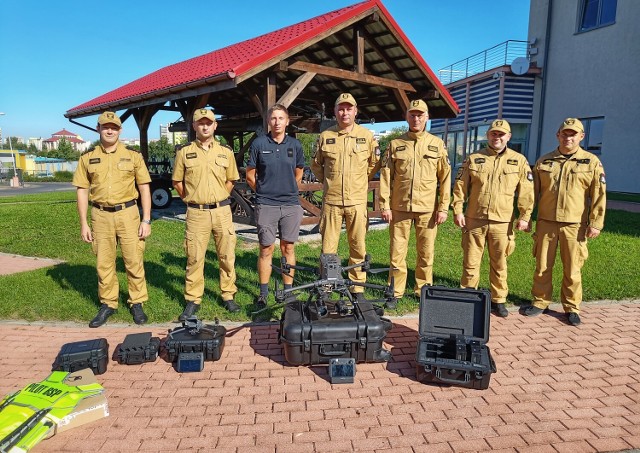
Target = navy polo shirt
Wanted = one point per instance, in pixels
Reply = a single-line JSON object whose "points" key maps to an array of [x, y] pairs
{"points": [[275, 165]]}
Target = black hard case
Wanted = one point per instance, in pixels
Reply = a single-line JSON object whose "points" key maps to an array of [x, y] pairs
{"points": [[208, 340], [76, 356], [138, 348], [454, 330], [310, 340]]}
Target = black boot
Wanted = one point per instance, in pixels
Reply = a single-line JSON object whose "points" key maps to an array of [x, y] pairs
{"points": [[104, 313], [189, 311], [139, 317]]}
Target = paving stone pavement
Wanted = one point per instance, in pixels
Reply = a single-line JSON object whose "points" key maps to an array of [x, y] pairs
{"points": [[558, 389]]}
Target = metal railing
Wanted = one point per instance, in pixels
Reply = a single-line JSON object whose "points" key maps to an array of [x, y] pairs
{"points": [[499, 55]]}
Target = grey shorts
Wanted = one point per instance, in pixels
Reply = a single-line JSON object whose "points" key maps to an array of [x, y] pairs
{"points": [[271, 219]]}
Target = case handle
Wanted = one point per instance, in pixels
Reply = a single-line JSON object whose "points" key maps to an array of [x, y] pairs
{"points": [[467, 377]]}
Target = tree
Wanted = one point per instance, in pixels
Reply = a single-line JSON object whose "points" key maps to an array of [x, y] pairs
{"points": [[308, 142], [65, 150], [160, 150], [395, 133], [31, 149], [14, 143]]}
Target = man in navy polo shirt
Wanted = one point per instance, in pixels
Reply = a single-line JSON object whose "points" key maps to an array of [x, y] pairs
{"points": [[275, 167]]}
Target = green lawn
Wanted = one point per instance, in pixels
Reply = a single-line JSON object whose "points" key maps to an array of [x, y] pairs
{"points": [[47, 226]]}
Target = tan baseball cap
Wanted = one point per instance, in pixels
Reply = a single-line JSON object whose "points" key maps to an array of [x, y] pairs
{"points": [[346, 98], [500, 125], [573, 124], [109, 117], [203, 113], [418, 105]]}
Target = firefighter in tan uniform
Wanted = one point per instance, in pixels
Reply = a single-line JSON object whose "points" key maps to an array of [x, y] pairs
{"points": [[106, 178], [415, 188], [345, 160], [570, 193], [488, 181], [203, 175]]}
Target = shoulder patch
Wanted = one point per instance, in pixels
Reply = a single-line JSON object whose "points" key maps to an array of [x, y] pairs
{"points": [[139, 151], [330, 141], [191, 155], [459, 174], [227, 146], [95, 160], [432, 148]]}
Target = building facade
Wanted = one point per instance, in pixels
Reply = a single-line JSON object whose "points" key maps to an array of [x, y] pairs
{"points": [[589, 53]]}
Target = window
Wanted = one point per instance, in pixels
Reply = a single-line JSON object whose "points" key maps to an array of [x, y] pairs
{"points": [[593, 133], [597, 13], [454, 148]]}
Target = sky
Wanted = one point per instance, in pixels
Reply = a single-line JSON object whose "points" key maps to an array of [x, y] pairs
{"points": [[57, 55]]}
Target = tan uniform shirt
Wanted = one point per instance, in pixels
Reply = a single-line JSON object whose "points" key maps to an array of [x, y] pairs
{"points": [[344, 162], [111, 177], [416, 170], [488, 181], [571, 189], [205, 172]]}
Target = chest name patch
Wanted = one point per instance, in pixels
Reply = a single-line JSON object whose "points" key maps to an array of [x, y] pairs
{"points": [[479, 160], [331, 141], [361, 140], [432, 148], [191, 155], [95, 160], [512, 162]]}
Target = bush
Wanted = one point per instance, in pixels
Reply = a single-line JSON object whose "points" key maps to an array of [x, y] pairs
{"points": [[63, 176]]}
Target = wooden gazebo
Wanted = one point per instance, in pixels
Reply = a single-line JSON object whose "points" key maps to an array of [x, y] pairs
{"points": [[359, 49]]}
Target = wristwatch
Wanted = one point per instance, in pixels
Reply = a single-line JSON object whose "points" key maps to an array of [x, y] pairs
{"points": [[148, 222]]}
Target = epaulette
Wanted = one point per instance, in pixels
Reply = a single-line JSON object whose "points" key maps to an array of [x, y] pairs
{"points": [[130, 148], [88, 151], [227, 146], [179, 146]]}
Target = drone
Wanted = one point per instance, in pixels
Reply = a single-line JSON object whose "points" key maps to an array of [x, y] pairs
{"points": [[330, 280]]}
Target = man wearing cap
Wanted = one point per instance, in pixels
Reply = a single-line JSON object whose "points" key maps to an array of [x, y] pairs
{"points": [[276, 163], [345, 160], [203, 175], [415, 188], [106, 178], [570, 191], [488, 181]]}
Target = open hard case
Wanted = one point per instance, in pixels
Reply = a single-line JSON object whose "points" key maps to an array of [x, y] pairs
{"points": [[453, 334]]}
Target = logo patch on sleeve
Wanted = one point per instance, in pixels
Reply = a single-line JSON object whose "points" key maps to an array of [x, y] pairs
{"points": [[191, 155], [95, 160], [529, 176], [602, 179]]}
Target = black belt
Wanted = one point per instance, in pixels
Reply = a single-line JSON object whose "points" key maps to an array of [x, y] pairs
{"points": [[118, 207], [226, 202]]}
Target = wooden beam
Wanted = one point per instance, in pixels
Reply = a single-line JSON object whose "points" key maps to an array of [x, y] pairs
{"points": [[348, 75], [359, 53], [296, 87], [402, 98], [269, 99]]}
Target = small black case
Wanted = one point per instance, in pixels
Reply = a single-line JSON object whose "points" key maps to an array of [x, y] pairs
{"points": [[76, 356], [138, 348], [194, 336]]}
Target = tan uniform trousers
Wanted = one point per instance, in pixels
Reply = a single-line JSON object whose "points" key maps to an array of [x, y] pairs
{"points": [[356, 220], [200, 224], [108, 229], [399, 231], [573, 253], [499, 238]]}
